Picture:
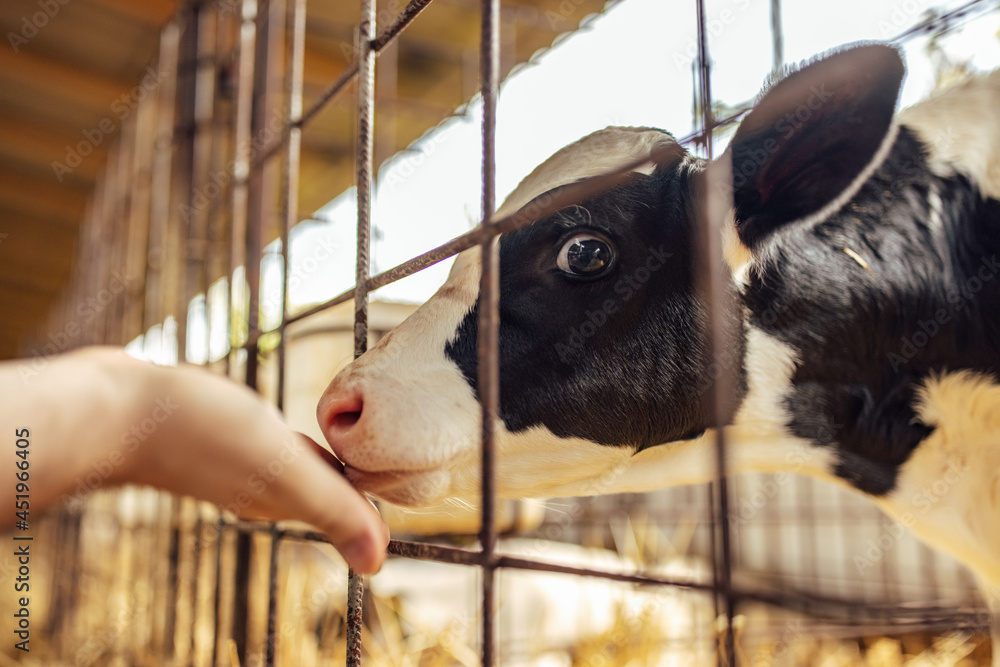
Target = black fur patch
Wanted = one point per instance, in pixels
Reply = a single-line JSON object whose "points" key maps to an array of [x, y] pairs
{"points": [[928, 302], [618, 360]]}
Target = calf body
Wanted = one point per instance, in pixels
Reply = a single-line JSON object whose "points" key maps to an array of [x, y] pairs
{"points": [[863, 250]]}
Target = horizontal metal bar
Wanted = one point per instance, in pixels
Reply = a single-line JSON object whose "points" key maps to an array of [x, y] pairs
{"points": [[927, 614], [540, 207], [943, 21]]}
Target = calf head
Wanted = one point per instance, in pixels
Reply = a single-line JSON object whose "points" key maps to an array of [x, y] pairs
{"points": [[602, 353]]}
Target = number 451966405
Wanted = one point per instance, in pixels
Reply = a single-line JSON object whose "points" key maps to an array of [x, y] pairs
{"points": [[21, 503]]}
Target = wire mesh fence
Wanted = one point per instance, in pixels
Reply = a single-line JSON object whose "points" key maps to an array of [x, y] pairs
{"points": [[207, 171]]}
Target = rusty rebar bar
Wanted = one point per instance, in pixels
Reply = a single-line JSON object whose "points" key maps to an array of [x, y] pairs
{"points": [[290, 172], [365, 167], [488, 374], [711, 279]]}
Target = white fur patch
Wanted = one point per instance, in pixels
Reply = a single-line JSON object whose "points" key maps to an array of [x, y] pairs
{"points": [[596, 154], [948, 492], [960, 127]]}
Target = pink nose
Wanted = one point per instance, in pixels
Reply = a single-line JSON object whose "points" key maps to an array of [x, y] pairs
{"points": [[340, 411]]}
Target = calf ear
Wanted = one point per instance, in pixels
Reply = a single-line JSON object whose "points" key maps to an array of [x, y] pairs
{"points": [[811, 136]]}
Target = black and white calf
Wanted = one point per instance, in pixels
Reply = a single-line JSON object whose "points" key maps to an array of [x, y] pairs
{"points": [[864, 251]]}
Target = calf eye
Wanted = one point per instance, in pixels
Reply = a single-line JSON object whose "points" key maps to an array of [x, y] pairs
{"points": [[585, 255]]}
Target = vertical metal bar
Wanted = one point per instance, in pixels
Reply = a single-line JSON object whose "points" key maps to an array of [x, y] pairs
{"points": [[103, 225], [94, 254], [222, 172], [160, 196], [366, 139], [241, 593], [238, 257], [195, 532], [271, 647], [806, 502], [713, 543], [289, 202], [169, 624], [777, 37], [366, 122], [712, 279], [143, 140], [270, 29], [217, 636], [197, 213], [290, 172], [241, 169], [704, 90], [183, 225], [489, 318], [355, 594], [114, 334]]}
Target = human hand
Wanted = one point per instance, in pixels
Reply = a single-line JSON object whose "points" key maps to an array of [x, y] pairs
{"points": [[187, 431]]}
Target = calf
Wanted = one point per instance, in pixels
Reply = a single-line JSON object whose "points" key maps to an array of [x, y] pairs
{"points": [[863, 252]]}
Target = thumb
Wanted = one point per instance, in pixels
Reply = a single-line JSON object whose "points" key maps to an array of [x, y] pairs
{"points": [[335, 507]]}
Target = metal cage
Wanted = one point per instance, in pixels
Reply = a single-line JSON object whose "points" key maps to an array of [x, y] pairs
{"points": [[130, 224]]}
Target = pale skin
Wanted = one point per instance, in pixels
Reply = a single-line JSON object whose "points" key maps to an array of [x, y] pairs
{"points": [[96, 414]]}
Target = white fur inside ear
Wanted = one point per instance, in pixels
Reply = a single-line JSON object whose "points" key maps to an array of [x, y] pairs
{"points": [[960, 127]]}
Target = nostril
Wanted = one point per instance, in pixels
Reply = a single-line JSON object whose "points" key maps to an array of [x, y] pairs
{"points": [[345, 420], [344, 412]]}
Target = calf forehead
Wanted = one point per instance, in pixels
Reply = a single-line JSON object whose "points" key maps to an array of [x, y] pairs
{"points": [[595, 154]]}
